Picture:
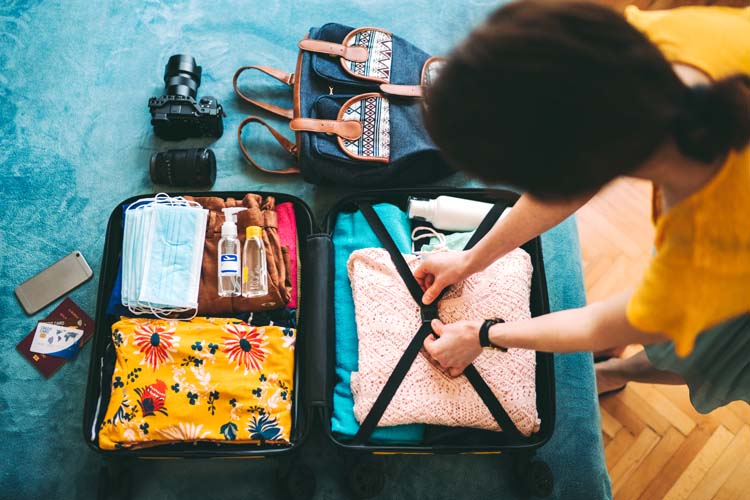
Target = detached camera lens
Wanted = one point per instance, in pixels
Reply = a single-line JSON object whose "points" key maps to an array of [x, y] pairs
{"points": [[184, 167]]}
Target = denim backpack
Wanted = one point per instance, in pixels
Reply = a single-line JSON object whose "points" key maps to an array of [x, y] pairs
{"points": [[356, 110]]}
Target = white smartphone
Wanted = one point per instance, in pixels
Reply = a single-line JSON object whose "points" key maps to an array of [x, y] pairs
{"points": [[54, 282]]}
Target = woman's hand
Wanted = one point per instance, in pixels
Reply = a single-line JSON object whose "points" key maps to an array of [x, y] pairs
{"points": [[528, 218], [440, 270], [456, 348]]}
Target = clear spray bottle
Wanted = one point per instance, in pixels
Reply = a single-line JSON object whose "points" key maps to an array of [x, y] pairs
{"points": [[229, 255]]}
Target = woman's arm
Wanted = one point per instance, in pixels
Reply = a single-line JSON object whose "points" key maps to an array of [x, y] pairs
{"points": [[528, 219], [595, 327]]}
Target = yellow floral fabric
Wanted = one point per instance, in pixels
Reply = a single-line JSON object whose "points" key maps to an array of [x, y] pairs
{"points": [[700, 272], [208, 379]]}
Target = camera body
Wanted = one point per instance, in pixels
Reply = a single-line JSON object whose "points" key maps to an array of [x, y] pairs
{"points": [[177, 115]]}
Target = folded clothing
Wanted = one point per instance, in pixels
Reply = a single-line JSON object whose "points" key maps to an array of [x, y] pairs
{"points": [[352, 232], [287, 228], [207, 379], [387, 319]]}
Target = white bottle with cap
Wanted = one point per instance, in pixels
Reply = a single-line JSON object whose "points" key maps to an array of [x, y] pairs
{"points": [[230, 281], [449, 213]]}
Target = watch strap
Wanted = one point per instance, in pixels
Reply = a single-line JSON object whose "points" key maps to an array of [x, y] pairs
{"points": [[484, 333]]}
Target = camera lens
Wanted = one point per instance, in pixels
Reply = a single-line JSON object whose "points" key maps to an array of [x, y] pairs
{"points": [[182, 76], [184, 167]]}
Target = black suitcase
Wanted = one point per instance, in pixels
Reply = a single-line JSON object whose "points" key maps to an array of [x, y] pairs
{"points": [[314, 368]]}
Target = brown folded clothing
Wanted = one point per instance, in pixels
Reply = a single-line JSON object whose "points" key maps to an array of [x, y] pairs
{"points": [[260, 212]]}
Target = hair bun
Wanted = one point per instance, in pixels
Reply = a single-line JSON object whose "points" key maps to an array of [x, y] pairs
{"points": [[714, 118]]}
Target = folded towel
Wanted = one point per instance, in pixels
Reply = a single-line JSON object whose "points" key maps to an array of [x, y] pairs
{"points": [[352, 232], [387, 319]]}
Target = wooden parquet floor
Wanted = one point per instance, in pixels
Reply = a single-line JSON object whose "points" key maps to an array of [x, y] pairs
{"points": [[656, 445]]}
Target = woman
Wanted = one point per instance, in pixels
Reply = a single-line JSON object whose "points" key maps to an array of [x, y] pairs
{"points": [[557, 99]]}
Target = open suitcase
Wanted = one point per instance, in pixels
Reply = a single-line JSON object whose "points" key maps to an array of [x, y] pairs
{"points": [[314, 368]]}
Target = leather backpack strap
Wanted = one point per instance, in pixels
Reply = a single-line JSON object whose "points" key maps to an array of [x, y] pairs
{"points": [[401, 90], [285, 143], [354, 53], [286, 78], [347, 129], [430, 70]]}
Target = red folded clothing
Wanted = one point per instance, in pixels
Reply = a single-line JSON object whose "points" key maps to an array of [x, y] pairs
{"points": [[287, 230]]}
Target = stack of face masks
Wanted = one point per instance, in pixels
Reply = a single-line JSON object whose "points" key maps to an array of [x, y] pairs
{"points": [[162, 250]]}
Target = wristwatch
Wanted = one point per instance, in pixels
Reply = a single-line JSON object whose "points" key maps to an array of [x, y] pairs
{"points": [[484, 334]]}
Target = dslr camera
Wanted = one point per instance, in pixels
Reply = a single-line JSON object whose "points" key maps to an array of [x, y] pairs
{"points": [[176, 115]]}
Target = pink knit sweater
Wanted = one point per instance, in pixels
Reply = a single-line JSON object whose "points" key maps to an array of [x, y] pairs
{"points": [[387, 318]]}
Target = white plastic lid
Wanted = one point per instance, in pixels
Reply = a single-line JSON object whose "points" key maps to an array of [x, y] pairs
{"points": [[420, 209], [229, 228]]}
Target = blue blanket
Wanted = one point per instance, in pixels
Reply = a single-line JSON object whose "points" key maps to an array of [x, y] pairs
{"points": [[75, 141], [352, 232], [576, 444]]}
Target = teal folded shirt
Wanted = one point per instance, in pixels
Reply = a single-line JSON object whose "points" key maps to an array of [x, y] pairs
{"points": [[352, 232]]}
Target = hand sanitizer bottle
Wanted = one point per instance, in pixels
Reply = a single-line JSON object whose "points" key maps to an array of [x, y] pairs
{"points": [[254, 274], [229, 255]]}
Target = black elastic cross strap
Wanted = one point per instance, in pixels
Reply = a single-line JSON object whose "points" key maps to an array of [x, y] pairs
{"points": [[428, 313], [391, 386], [407, 359], [401, 266], [490, 401], [484, 227]]}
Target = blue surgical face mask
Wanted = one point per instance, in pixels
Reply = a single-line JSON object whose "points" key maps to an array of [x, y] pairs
{"points": [[174, 251], [127, 257], [133, 244], [162, 253], [142, 229]]}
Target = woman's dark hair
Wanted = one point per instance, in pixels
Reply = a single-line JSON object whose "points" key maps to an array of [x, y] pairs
{"points": [[558, 98]]}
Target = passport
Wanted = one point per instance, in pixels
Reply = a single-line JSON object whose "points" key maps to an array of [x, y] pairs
{"points": [[68, 315]]}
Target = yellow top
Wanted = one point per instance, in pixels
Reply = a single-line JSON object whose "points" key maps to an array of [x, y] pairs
{"points": [[253, 232], [208, 379], [700, 273]]}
